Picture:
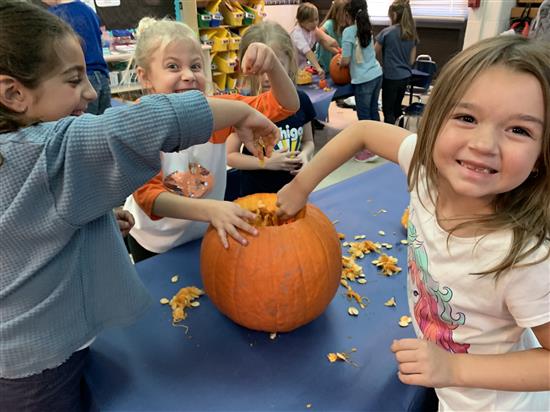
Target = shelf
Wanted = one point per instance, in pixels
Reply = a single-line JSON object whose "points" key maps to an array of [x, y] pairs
{"points": [[125, 89], [117, 57]]}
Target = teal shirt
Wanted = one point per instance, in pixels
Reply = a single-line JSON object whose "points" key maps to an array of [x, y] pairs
{"points": [[323, 55], [65, 274], [369, 69]]}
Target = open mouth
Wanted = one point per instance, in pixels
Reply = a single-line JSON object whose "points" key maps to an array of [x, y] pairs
{"points": [[477, 168], [184, 90]]}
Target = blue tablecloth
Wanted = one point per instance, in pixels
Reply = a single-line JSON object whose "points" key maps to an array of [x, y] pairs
{"points": [[321, 99], [220, 366]]}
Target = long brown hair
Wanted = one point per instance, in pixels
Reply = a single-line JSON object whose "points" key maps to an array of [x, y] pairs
{"points": [[524, 210], [29, 37], [401, 11], [337, 13]]}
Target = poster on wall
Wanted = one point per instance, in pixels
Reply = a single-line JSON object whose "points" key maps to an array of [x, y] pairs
{"points": [[107, 3]]}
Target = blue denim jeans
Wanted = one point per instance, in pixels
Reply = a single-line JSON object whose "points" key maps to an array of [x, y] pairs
{"points": [[58, 389], [101, 85], [366, 99]]}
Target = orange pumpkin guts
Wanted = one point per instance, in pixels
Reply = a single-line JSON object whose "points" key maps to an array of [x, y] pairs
{"points": [[340, 75], [284, 278], [405, 218]]}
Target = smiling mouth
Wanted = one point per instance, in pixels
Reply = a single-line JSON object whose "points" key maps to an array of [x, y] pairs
{"points": [[476, 168], [185, 90]]}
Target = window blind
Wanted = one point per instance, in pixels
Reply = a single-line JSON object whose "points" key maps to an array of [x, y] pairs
{"points": [[421, 9]]}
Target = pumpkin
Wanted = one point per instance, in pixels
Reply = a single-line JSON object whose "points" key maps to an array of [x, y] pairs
{"points": [[284, 278], [340, 75]]}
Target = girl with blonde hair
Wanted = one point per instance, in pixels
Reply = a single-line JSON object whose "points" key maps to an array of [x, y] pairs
{"points": [[478, 229], [169, 212]]}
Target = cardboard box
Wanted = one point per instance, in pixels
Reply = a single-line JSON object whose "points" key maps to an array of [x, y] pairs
{"points": [[527, 2]]}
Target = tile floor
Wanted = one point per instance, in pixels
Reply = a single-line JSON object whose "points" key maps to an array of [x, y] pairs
{"points": [[339, 118]]}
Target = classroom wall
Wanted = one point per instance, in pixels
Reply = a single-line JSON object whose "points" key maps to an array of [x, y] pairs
{"points": [[491, 19]]}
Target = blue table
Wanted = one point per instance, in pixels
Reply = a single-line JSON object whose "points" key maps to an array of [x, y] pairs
{"points": [[321, 99], [220, 366]]}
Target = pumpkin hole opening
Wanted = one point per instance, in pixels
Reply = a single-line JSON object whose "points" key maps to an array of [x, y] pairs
{"points": [[266, 214]]}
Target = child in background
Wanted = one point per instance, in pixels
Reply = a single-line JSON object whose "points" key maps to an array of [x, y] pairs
{"points": [[296, 146], [169, 59], [334, 24], [306, 34], [366, 73], [479, 226], [395, 48], [65, 274], [85, 22]]}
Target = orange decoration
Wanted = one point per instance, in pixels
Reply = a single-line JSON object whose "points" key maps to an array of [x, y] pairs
{"points": [[340, 75], [323, 84], [405, 218], [284, 278]]}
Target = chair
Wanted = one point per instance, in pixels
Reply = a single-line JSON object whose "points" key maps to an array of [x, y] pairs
{"points": [[423, 71]]}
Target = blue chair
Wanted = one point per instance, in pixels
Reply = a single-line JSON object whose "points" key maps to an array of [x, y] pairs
{"points": [[425, 69]]}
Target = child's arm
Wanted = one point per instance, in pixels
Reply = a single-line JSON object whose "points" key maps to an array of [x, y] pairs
{"points": [[328, 42], [315, 63], [378, 52], [282, 160], [424, 363], [226, 217], [380, 138], [308, 147], [260, 58], [253, 128]]}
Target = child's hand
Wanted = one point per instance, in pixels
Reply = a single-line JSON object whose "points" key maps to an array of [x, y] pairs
{"points": [[290, 200], [125, 221], [257, 133], [423, 363], [303, 160], [226, 217], [283, 160], [258, 59], [321, 73]]}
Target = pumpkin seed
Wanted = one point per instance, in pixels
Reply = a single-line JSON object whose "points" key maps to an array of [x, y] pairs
{"points": [[362, 281], [174, 278], [353, 311], [195, 304], [164, 301]]}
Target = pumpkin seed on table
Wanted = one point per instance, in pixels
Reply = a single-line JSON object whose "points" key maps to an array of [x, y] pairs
{"points": [[353, 311], [164, 301], [174, 278]]}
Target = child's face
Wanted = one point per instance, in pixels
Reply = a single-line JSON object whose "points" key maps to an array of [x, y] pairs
{"points": [[176, 68], [311, 24], [492, 139], [66, 91]]}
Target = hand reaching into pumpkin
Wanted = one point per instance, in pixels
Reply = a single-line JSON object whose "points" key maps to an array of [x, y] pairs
{"points": [[290, 200], [227, 217]]}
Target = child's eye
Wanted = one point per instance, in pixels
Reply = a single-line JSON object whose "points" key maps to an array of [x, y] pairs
{"points": [[521, 131], [75, 82], [172, 66], [465, 118], [196, 67]]}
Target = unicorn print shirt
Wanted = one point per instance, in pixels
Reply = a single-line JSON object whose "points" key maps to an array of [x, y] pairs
{"points": [[466, 313]]}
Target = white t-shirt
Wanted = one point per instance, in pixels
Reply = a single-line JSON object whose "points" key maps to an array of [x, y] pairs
{"points": [[466, 313], [303, 41], [164, 234]]}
